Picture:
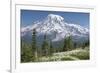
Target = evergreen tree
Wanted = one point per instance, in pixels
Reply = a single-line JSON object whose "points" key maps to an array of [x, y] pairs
{"points": [[51, 48], [83, 45], [26, 52], [87, 43], [75, 45], [45, 46], [68, 44], [34, 48], [65, 47]]}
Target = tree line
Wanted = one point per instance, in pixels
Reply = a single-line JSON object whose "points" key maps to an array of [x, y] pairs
{"points": [[32, 53]]}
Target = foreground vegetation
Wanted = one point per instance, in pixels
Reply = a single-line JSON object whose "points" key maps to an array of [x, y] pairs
{"points": [[47, 52], [78, 54]]}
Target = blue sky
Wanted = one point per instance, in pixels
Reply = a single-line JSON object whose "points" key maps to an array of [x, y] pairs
{"points": [[30, 16]]}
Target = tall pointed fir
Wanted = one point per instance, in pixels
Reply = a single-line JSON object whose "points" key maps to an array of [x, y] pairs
{"points": [[65, 47], [45, 46], [34, 48], [51, 48], [68, 44]]}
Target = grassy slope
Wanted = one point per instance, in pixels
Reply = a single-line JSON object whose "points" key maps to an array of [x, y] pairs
{"points": [[78, 54]]}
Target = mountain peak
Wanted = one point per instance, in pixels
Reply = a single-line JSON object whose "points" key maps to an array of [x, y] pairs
{"points": [[55, 27], [55, 17]]}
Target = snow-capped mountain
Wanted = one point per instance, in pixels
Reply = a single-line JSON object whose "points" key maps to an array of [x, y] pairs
{"points": [[56, 28]]}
